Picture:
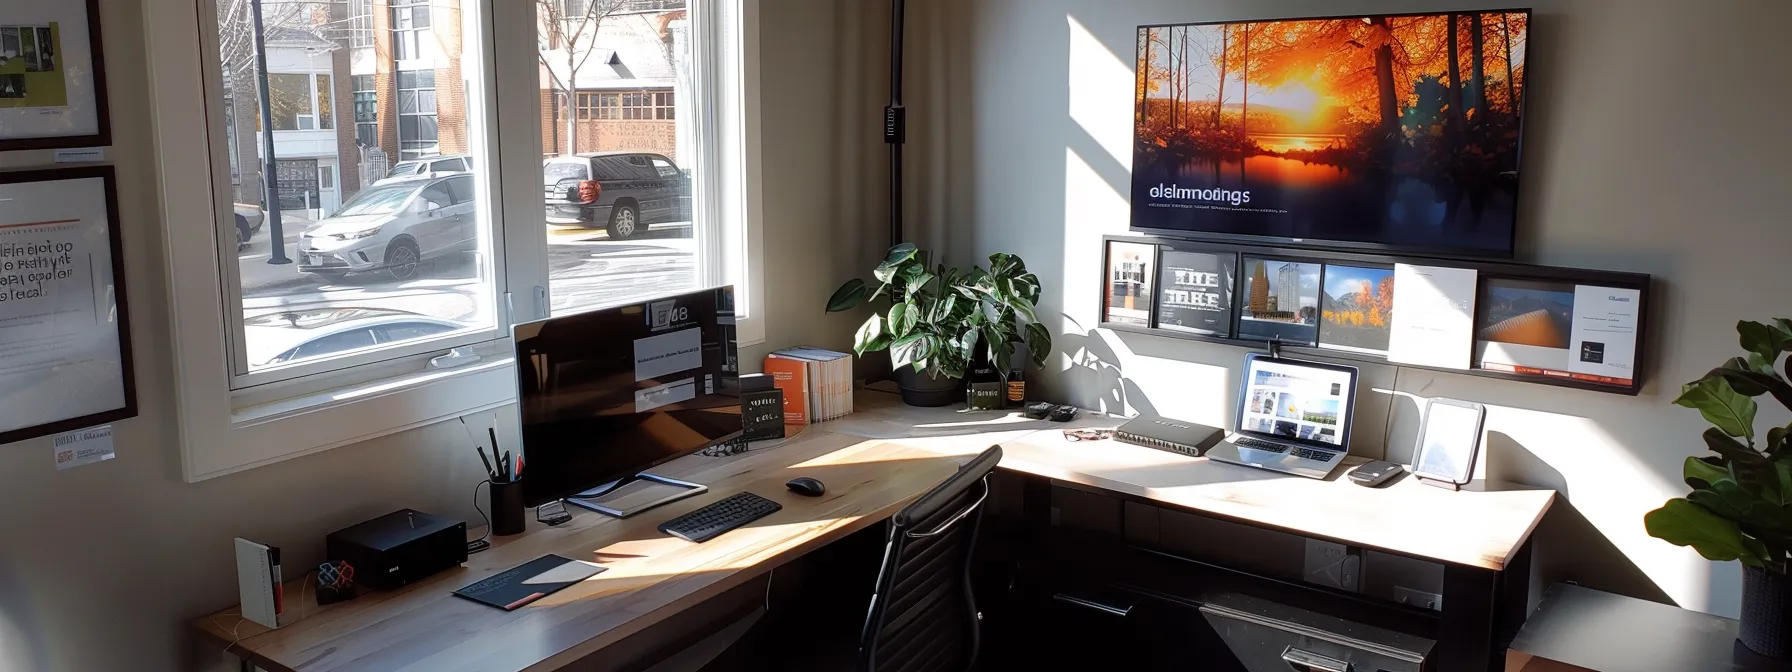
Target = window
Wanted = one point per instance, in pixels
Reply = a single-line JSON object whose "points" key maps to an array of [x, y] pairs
{"points": [[300, 102], [418, 135], [278, 360], [367, 129], [360, 23], [410, 29]]}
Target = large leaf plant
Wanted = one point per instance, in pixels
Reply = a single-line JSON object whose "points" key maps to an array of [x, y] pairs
{"points": [[940, 319], [1740, 507]]}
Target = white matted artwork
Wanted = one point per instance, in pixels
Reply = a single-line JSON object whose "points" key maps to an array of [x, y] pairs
{"points": [[65, 355], [52, 76]]}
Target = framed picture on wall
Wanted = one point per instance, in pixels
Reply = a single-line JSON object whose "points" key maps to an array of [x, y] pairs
{"points": [[1281, 300], [1195, 288], [1356, 308], [52, 76], [65, 338], [1126, 296]]}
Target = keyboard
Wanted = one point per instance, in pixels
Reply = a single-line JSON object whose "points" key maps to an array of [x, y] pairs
{"points": [[705, 523], [1271, 447], [1259, 444]]}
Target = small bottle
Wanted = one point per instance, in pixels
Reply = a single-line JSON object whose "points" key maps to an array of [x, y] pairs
{"points": [[1017, 386]]}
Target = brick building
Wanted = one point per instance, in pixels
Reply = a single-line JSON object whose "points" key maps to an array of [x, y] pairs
{"points": [[628, 71]]}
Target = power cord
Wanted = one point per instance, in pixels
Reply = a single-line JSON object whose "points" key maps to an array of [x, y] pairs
{"points": [[484, 542]]}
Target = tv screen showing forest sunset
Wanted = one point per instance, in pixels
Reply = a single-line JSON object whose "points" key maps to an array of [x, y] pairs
{"points": [[1398, 132]]}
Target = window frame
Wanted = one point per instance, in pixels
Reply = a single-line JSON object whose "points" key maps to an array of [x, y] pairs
{"points": [[228, 428]]}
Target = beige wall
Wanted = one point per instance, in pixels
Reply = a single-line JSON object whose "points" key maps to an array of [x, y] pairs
{"points": [[1655, 144], [102, 567]]}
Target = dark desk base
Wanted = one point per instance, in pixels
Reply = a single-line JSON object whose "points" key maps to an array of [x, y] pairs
{"points": [[1083, 584]]}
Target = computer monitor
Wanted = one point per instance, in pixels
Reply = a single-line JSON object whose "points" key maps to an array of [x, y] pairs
{"points": [[610, 393], [1294, 401]]}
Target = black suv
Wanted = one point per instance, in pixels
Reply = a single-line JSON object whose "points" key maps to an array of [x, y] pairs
{"points": [[623, 192]]}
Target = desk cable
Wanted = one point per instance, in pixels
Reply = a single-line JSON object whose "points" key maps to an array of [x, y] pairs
{"points": [[484, 542]]}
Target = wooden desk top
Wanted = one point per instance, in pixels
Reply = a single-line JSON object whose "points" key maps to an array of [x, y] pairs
{"points": [[873, 462], [1479, 529], [423, 628]]}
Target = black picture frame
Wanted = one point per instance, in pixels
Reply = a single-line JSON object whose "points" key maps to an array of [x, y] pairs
{"points": [[1149, 274], [1484, 268], [101, 100], [126, 358], [1227, 255]]}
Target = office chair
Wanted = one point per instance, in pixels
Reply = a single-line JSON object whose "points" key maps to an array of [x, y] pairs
{"points": [[923, 616]]}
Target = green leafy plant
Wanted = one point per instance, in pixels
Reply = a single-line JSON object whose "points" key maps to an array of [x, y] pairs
{"points": [[1740, 507], [939, 319]]}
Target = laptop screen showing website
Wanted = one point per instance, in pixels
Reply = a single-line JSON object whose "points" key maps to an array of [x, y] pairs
{"points": [[1291, 400]]}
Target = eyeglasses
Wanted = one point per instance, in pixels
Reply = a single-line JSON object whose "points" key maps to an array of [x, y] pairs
{"points": [[1074, 435]]}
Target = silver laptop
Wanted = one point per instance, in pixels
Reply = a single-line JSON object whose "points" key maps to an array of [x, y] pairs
{"points": [[1293, 417]]}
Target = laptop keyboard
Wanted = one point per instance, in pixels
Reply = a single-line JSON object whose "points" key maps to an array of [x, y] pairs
{"points": [[1271, 447]]}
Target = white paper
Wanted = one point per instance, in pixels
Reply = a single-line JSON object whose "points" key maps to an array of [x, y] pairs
{"points": [[1434, 316], [657, 356], [83, 447], [1604, 333], [59, 337]]}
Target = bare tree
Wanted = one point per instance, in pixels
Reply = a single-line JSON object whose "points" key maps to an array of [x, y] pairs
{"points": [[236, 27], [571, 35]]}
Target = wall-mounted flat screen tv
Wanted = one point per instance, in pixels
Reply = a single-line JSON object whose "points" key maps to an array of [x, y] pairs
{"points": [[1387, 132]]}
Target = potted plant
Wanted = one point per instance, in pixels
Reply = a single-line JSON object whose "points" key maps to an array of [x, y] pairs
{"points": [[941, 321], [1740, 507]]}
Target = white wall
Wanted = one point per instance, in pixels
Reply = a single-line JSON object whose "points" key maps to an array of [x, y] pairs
{"points": [[1656, 143], [103, 567]]}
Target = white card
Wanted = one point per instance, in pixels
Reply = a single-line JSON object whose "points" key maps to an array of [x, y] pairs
{"points": [[83, 447], [1604, 333], [1434, 316]]}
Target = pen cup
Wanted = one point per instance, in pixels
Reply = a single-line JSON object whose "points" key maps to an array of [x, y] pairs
{"points": [[507, 508]]}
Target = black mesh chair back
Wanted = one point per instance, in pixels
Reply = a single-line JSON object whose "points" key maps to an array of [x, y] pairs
{"points": [[923, 617]]}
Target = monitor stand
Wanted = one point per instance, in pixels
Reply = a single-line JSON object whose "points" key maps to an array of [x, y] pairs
{"points": [[620, 500]]}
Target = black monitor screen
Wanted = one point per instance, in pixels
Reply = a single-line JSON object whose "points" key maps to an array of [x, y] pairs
{"points": [[609, 393], [1386, 132]]}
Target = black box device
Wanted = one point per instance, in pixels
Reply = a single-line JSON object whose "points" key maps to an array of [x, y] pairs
{"points": [[399, 548], [1176, 436]]}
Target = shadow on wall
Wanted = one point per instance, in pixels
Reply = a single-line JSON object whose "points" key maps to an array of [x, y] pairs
{"points": [[1568, 547], [1093, 379], [21, 641]]}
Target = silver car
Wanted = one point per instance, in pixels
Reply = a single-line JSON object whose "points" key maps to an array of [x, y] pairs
{"points": [[291, 336], [393, 227]]}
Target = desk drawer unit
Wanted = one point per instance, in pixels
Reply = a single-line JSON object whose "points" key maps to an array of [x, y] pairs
{"points": [[1263, 635]]}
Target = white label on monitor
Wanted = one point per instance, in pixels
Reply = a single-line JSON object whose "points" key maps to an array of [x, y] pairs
{"points": [[658, 356], [661, 395]]}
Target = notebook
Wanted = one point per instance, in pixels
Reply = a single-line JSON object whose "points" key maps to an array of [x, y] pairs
{"points": [[529, 582]]}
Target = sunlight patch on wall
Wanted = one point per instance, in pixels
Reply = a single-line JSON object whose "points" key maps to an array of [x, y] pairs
{"points": [[1101, 92]]}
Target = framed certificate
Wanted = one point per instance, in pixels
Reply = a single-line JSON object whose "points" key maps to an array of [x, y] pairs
{"points": [[52, 76], [65, 348]]}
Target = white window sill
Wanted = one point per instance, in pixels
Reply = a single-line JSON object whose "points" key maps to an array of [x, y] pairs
{"points": [[256, 436]]}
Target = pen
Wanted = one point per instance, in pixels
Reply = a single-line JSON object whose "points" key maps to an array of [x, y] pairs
{"points": [[488, 463], [506, 466]]}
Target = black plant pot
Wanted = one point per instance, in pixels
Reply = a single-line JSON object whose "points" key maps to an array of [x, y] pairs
{"points": [[920, 389], [1766, 613]]}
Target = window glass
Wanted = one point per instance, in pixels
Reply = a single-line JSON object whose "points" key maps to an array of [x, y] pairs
{"points": [[405, 331], [334, 343], [437, 196], [462, 188], [289, 97], [326, 118], [339, 210], [665, 168], [615, 69]]}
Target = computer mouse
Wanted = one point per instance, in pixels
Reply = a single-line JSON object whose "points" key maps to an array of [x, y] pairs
{"points": [[807, 487]]}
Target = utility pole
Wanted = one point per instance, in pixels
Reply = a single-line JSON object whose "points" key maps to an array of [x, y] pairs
{"points": [[269, 180]]}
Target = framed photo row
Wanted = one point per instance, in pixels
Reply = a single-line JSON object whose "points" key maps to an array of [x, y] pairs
{"points": [[65, 337], [52, 76], [1569, 327]]}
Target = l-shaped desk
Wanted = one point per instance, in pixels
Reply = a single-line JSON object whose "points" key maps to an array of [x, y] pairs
{"points": [[874, 462]]}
